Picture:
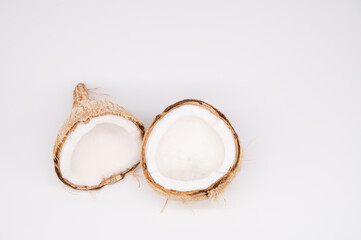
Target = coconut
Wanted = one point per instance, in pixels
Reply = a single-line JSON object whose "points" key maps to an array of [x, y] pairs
{"points": [[98, 144], [190, 151]]}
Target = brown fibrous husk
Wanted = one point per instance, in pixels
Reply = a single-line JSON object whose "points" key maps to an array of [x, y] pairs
{"points": [[214, 190], [83, 110]]}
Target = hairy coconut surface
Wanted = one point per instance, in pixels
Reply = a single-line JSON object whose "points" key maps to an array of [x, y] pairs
{"points": [[98, 144], [190, 151]]}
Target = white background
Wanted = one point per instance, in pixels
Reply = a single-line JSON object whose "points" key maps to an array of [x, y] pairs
{"points": [[286, 73]]}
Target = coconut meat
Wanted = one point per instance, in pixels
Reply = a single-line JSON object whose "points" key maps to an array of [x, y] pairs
{"points": [[190, 148], [104, 146]]}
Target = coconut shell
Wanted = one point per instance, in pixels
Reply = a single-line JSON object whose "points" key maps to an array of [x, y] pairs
{"points": [[216, 188], [83, 110]]}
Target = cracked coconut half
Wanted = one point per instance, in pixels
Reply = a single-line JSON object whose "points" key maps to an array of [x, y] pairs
{"points": [[98, 144], [190, 151]]}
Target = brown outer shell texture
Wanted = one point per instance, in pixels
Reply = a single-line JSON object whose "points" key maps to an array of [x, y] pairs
{"points": [[85, 109], [217, 187]]}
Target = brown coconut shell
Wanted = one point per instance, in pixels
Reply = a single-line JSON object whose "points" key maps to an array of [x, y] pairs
{"points": [[216, 188], [83, 110]]}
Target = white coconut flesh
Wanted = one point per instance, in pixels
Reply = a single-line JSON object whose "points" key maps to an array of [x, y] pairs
{"points": [[104, 146], [190, 148]]}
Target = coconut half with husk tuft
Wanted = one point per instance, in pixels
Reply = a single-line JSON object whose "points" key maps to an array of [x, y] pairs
{"points": [[98, 144], [190, 151]]}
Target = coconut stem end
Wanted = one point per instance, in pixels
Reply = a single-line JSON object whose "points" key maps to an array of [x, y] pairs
{"points": [[80, 95]]}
